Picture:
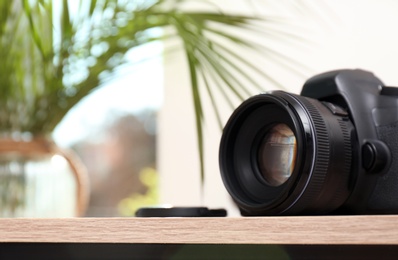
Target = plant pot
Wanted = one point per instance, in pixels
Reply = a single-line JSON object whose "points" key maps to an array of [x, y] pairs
{"points": [[38, 179]]}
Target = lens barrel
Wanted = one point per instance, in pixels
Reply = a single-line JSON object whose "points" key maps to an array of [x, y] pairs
{"points": [[285, 154]]}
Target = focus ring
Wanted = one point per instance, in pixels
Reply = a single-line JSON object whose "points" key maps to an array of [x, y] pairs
{"points": [[327, 186], [321, 156], [341, 194]]}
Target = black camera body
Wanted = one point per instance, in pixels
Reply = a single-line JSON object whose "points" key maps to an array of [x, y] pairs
{"points": [[333, 149]]}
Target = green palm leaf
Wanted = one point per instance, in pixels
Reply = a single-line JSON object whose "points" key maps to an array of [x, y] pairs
{"points": [[56, 53]]}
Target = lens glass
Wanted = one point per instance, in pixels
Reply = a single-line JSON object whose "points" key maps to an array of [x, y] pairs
{"points": [[277, 155]]}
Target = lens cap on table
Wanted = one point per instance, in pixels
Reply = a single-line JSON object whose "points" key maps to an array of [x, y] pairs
{"points": [[181, 212]]}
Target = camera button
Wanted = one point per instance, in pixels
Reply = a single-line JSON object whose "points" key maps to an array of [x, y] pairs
{"points": [[376, 156], [368, 156], [336, 110]]}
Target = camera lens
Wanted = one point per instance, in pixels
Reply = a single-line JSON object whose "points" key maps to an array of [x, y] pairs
{"points": [[285, 154], [277, 153]]}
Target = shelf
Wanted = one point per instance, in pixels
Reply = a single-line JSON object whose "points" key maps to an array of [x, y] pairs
{"points": [[325, 230]]}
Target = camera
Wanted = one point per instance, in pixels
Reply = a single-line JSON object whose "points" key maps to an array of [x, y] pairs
{"points": [[333, 149]]}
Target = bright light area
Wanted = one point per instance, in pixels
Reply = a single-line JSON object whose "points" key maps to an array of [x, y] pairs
{"points": [[59, 161], [136, 87]]}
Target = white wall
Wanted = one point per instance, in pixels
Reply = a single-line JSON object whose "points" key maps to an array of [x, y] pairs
{"points": [[336, 34]]}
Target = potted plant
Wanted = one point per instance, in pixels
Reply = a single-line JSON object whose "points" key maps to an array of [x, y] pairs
{"points": [[54, 53]]}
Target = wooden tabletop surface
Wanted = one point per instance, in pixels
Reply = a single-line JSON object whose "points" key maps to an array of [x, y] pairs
{"points": [[330, 230]]}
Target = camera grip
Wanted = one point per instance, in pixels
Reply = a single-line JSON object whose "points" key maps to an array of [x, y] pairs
{"points": [[384, 198]]}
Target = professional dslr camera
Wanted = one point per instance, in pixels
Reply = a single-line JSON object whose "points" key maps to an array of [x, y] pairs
{"points": [[333, 149]]}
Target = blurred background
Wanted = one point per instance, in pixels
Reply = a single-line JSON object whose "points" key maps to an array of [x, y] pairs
{"points": [[137, 134], [114, 132]]}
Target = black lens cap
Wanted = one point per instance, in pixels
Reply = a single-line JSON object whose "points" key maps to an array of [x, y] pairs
{"points": [[180, 212]]}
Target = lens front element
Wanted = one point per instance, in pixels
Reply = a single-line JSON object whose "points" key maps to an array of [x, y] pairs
{"points": [[277, 155]]}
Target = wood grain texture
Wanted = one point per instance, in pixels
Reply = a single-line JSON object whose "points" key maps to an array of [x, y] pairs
{"points": [[260, 230]]}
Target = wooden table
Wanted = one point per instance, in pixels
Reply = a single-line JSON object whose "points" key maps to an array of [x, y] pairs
{"points": [[369, 236]]}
